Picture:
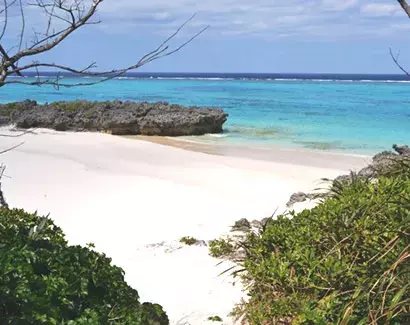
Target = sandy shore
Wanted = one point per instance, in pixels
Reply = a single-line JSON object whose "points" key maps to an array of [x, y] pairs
{"points": [[134, 199], [294, 156]]}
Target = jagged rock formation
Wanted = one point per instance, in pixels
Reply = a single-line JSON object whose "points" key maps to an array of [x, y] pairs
{"points": [[299, 197], [380, 162], [402, 150], [117, 117], [385, 159], [242, 225]]}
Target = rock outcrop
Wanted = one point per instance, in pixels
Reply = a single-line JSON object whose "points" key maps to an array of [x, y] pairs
{"points": [[242, 225], [117, 117], [402, 150], [380, 162], [299, 197], [385, 159]]}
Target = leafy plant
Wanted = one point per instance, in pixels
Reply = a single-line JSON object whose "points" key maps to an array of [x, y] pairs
{"points": [[43, 280], [188, 240], [347, 261], [215, 319], [221, 247]]}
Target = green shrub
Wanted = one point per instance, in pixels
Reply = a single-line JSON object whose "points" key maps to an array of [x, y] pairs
{"points": [[221, 248], [43, 280], [347, 261], [215, 319], [188, 240]]}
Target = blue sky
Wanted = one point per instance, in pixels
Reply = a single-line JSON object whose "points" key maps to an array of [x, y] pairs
{"points": [[340, 36]]}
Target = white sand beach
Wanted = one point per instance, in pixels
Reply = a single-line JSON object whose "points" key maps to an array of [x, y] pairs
{"points": [[135, 199]]}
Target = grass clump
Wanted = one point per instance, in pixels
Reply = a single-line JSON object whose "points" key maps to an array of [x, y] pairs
{"points": [[73, 106], [221, 248], [13, 106], [43, 280], [347, 261], [186, 240], [215, 319]]}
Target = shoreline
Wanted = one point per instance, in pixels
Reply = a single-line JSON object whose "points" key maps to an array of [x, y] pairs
{"points": [[311, 158]]}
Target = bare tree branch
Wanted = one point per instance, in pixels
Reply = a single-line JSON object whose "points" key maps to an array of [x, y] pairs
{"points": [[160, 52], [6, 58], [396, 61], [11, 148], [5, 11], [405, 7], [16, 135], [23, 25], [395, 58], [74, 14], [3, 201], [48, 46]]}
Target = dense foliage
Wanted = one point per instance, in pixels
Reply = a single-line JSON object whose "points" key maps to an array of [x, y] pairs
{"points": [[43, 280], [347, 261]]}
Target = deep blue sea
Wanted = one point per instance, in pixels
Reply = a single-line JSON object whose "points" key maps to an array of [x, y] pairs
{"points": [[350, 113]]}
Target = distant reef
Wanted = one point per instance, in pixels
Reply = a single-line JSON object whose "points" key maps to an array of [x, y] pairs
{"points": [[115, 117]]}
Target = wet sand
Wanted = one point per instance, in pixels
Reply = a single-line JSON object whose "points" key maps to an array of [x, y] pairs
{"points": [[294, 156]]}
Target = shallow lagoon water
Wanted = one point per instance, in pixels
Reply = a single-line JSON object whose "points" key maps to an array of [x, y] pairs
{"points": [[354, 115]]}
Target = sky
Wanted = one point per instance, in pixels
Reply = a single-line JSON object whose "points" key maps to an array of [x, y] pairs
{"points": [[270, 36]]}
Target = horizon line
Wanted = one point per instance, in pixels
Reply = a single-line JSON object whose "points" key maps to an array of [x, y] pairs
{"points": [[242, 73]]}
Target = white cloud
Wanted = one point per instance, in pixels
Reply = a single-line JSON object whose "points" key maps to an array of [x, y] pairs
{"points": [[224, 15], [339, 5], [380, 9], [270, 19]]}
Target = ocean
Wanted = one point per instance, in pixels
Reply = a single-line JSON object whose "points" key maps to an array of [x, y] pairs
{"points": [[348, 113]]}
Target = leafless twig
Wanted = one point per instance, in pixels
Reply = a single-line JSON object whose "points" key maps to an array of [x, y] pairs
{"points": [[15, 135], [11, 148], [395, 58], [72, 15], [405, 6], [396, 61], [3, 201]]}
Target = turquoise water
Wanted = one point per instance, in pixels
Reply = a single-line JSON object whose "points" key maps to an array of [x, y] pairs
{"points": [[360, 117]]}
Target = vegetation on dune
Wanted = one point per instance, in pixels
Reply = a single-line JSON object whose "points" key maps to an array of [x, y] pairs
{"points": [[189, 241], [219, 248], [43, 280], [347, 261], [215, 319]]}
